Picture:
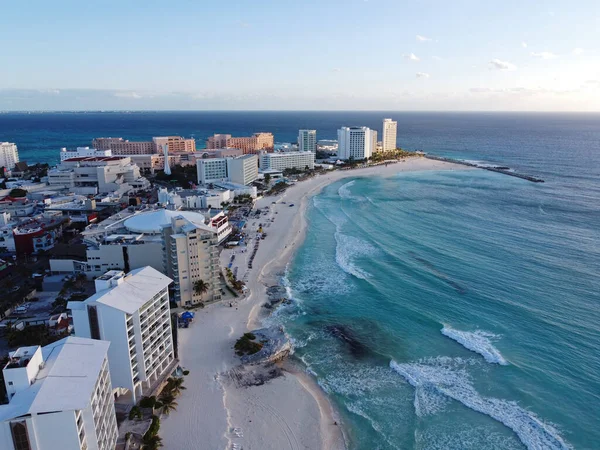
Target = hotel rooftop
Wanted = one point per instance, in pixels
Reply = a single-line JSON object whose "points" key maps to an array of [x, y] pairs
{"points": [[65, 381]]}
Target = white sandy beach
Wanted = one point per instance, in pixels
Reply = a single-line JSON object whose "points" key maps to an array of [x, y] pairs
{"points": [[289, 412]]}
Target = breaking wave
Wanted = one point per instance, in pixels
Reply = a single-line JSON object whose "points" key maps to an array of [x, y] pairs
{"points": [[344, 190], [477, 341], [447, 376], [347, 249]]}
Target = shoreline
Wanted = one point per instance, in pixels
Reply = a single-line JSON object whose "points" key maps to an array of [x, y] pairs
{"points": [[278, 413]]}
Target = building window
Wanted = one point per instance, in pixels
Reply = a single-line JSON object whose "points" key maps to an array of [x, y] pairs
{"points": [[20, 436]]}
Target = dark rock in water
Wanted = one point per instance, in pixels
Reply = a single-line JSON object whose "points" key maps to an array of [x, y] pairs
{"points": [[276, 291], [345, 334], [254, 375], [276, 346]]}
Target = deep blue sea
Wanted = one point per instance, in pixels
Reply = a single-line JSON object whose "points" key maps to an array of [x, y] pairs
{"points": [[440, 310]]}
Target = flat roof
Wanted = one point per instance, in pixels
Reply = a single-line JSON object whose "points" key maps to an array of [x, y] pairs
{"points": [[94, 158], [137, 287], [65, 383], [154, 221]]}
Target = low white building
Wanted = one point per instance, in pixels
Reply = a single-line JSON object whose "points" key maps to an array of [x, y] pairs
{"points": [[94, 175], [240, 170], [9, 155], [83, 152], [287, 160], [60, 397], [131, 311]]}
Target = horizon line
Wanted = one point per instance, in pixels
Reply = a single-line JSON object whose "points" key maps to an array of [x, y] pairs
{"points": [[38, 111]]}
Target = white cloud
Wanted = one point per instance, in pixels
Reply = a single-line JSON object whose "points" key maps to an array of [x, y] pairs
{"points": [[437, 58], [336, 69], [524, 44], [501, 65], [578, 51], [422, 75], [412, 57], [133, 95], [422, 38], [544, 55]]}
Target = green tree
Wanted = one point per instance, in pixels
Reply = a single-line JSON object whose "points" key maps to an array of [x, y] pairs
{"points": [[168, 403], [17, 193], [267, 178], [175, 386], [200, 287], [153, 442]]}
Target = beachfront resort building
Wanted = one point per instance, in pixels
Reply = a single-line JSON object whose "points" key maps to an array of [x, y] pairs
{"points": [[120, 146], [239, 170], [181, 244], [388, 139], [60, 397], [287, 160], [98, 175], [355, 143], [131, 311], [307, 141], [252, 144], [9, 155], [217, 141]]}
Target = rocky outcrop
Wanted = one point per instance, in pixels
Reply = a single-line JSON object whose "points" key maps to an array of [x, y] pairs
{"points": [[275, 346]]}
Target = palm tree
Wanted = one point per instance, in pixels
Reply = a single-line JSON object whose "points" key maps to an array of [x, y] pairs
{"points": [[153, 442], [175, 386], [168, 404], [200, 287]]}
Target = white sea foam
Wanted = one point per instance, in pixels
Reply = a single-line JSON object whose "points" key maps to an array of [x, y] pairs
{"points": [[449, 377], [349, 248], [344, 190], [478, 341]]}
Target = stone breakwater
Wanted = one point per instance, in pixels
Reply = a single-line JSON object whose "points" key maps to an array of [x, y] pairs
{"points": [[498, 169]]}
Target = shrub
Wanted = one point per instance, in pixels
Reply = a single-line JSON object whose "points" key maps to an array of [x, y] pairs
{"points": [[135, 412], [246, 345], [148, 402], [153, 430]]}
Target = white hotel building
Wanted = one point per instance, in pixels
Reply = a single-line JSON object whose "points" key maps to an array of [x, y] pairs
{"points": [[9, 155], [60, 397], [287, 160], [307, 141], [83, 152], [355, 143], [131, 311], [388, 139], [239, 170]]}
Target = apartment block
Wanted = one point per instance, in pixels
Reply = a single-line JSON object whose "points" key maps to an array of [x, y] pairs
{"points": [[60, 397], [217, 141], [9, 155], [239, 170], [174, 144], [307, 141], [388, 139], [131, 311], [249, 145], [287, 160], [355, 143]]}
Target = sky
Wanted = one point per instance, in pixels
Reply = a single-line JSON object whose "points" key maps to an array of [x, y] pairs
{"points": [[459, 55]]}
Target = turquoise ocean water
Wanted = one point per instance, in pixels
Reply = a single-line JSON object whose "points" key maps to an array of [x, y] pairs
{"points": [[440, 310], [452, 310]]}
